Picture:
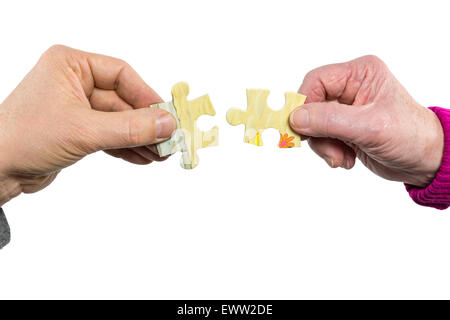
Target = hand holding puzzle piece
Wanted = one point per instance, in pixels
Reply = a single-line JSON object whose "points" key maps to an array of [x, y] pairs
{"points": [[187, 138]]}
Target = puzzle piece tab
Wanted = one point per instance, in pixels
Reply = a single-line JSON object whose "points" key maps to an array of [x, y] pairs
{"points": [[187, 138], [259, 117]]}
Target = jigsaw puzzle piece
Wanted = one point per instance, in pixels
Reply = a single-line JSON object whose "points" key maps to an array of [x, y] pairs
{"points": [[253, 118], [259, 116], [280, 120], [188, 112], [188, 138]]}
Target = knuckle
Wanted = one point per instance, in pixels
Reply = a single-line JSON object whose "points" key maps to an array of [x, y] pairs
{"points": [[373, 60], [312, 86], [53, 54], [329, 119], [312, 74], [122, 62], [138, 132], [56, 49], [124, 67], [134, 135]]}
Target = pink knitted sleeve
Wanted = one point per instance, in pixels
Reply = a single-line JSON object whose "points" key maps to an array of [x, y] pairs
{"points": [[437, 193]]}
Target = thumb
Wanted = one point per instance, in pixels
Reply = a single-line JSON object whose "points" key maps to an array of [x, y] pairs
{"points": [[330, 119], [131, 128]]}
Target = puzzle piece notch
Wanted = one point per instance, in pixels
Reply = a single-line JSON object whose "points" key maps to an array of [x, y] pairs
{"points": [[188, 138], [259, 116]]}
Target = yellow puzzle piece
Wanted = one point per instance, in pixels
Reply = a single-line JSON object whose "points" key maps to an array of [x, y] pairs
{"points": [[187, 138], [259, 117]]}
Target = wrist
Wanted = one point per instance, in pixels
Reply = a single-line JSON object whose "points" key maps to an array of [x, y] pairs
{"points": [[433, 149], [436, 193]]}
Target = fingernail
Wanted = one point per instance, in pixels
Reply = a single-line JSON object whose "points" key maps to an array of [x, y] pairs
{"points": [[300, 118], [329, 161], [347, 164], [165, 125]]}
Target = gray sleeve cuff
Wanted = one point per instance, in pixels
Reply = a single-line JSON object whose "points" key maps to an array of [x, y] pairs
{"points": [[5, 233]]}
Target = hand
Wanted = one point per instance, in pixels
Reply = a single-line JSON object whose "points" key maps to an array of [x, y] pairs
{"points": [[71, 104], [358, 109]]}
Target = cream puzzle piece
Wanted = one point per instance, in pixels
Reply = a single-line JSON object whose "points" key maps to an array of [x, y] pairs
{"points": [[187, 138], [259, 117]]}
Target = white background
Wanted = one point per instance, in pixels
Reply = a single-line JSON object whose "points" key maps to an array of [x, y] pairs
{"points": [[248, 222]]}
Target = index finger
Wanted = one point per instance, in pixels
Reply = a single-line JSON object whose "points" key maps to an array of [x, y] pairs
{"points": [[115, 74], [341, 81]]}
